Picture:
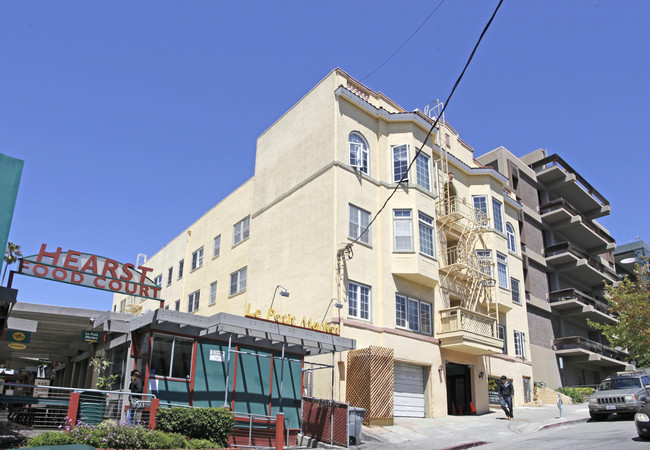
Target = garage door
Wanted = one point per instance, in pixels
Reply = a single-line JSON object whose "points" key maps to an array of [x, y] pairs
{"points": [[409, 390]]}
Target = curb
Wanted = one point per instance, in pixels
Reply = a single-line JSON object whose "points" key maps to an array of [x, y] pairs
{"points": [[567, 422], [466, 445]]}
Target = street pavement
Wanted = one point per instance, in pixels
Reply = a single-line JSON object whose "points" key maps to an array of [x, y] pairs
{"points": [[454, 432]]}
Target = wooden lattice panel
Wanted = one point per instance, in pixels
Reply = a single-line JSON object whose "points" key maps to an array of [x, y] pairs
{"points": [[370, 382]]}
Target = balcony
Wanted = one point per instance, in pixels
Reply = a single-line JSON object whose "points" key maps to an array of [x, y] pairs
{"points": [[564, 257], [573, 303], [415, 267], [561, 179], [562, 216], [585, 351], [468, 332], [456, 214]]}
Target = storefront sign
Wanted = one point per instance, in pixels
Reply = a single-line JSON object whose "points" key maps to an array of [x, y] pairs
{"points": [[90, 271], [18, 336], [17, 346], [291, 320], [91, 337]]}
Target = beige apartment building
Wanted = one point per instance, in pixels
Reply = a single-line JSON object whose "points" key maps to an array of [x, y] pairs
{"points": [[431, 288]]}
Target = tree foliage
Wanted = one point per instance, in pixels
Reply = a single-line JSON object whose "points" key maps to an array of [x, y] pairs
{"points": [[629, 301], [12, 254]]}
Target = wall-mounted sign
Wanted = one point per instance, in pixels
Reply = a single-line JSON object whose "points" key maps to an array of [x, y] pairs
{"points": [[90, 271], [216, 355], [91, 337], [17, 346], [18, 336], [291, 320]]}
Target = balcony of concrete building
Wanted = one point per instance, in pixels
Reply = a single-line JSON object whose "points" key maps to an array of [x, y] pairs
{"points": [[569, 259], [468, 332], [583, 351], [571, 303], [561, 216], [415, 267], [564, 182]]}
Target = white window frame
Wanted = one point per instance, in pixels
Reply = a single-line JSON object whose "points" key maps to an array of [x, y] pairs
{"points": [[358, 152], [402, 230], [213, 293], [241, 230], [515, 288], [181, 268], [501, 334], [158, 280], [400, 162], [478, 201], [197, 258], [497, 214], [177, 305], [193, 301], [512, 240], [426, 232], [170, 274], [408, 315], [358, 297], [238, 281], [216, 246], [487, 254], [423, 170], [359, 220], [502, 270], [520, 344]]}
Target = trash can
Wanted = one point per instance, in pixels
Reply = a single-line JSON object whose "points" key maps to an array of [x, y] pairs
{"points": [[355, 419]]}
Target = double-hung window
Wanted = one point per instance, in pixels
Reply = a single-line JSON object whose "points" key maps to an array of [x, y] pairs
{"points": [[171, 356], [216, 246], [514, 287], [177, 305], [520, 345], [510, 234], [241, 230], [358, 301], [502, 270], [358, 153], [403, 230], [181, 268], [170, 273], [193, 301], [497, 209], [158, 280], [502, 335], [213, 293], [400, 162], [423, 172], [197, 258], [484, 258], [359, 220], [480, 207], [425, 226], [413, 314], [238, 281]]}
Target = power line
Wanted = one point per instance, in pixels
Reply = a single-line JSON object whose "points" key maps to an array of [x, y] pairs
{"points": [[405, 42], [404, 176]]}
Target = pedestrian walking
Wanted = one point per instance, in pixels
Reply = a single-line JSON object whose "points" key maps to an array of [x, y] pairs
{"points": [[506, 392], [136, 387]]}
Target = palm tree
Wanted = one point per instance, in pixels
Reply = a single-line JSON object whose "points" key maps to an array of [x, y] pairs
{"points": [[12, 253]]}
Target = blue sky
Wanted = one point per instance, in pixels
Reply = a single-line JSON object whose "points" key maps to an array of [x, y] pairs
{"points": [[134, 118]]}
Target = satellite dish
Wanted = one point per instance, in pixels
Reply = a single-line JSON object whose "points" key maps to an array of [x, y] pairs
{"points": [[629, 260]]}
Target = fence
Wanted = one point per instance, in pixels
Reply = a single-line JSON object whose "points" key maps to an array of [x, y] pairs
{"points": [[326, 421]]}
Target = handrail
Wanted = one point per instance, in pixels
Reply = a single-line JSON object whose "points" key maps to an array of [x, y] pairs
{"points": [[562, 203], [120, 392], [588, 344]]}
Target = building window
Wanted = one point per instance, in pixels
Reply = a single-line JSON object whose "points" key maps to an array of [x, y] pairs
{"points": [[158, 280], [403, 230], [510, 234], [238, 281], [400, 162], [241, 230], [447, 140], [520, 345], [181, 267], [480, 206], [177, 305], [358, 301], [502, 270], [359, 220], [413, 314], [497, 209], [484, 258], [171, 356], [197, 258], [216, 246], [213, 293], [193, 301], [516, 296], [422, 170], [358, 152], [425, 225], [170, 272], [502, 335]]}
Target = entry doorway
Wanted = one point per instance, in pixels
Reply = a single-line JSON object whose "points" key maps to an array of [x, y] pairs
{"points": [[459, 389]]}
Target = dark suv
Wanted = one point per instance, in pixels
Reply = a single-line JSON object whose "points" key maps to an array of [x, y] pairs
{"points": [[623, 393]]}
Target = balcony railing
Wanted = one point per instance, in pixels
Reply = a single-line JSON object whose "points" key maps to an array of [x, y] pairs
{"points": [[574, 294], [564, 247], [461, 319], [561, 203], [455, 206], [592, 346]]}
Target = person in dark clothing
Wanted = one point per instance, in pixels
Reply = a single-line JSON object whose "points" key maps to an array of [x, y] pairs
{"points": [[506, 392], [136, 387]]}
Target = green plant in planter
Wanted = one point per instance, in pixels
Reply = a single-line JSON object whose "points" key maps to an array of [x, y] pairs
{"points": [[101, 367]]}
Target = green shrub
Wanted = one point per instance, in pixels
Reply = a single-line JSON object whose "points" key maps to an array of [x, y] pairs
{"points": [[201, 444], [213, 424], [576, 394], [51, 438], [160, 440]]}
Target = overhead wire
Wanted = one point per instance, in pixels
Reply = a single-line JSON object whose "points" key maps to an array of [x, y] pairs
{"points": [[405, 175]]}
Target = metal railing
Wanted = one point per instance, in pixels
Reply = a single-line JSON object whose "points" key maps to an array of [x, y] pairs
{"points": [[461, 319], [587, 344], [460, 207], [258, 429]]}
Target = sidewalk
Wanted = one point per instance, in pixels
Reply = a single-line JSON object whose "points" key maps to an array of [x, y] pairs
{"points": [[468, 431]]}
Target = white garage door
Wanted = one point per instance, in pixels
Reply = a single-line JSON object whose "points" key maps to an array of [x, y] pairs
{"points": [[409, 390]]}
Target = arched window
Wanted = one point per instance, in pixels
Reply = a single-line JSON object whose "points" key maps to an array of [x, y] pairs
{"points": [[358, 152], [510, 233]]}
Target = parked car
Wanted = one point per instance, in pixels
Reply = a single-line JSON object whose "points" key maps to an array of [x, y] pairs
{"points": [[623, 393], [642, 419]]}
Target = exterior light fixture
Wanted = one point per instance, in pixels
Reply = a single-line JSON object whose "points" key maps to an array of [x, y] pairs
{"points": [[440, 369], [338, 305], [481, 375], [283, 293]]}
